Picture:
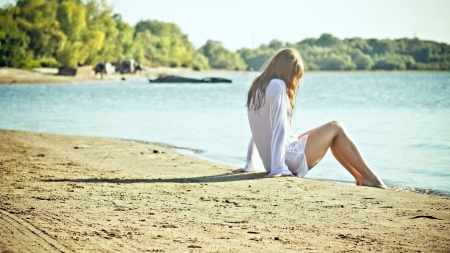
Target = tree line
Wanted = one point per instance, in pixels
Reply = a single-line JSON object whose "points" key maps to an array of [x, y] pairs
{"points": [[53, 33], [330, 53]]}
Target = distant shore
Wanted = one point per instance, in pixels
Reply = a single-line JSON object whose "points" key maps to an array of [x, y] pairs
{"points": [[72, 193], [49, 75]]}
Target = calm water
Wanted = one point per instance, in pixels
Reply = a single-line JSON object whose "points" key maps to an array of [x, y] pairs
{"points": [[401, 121]]}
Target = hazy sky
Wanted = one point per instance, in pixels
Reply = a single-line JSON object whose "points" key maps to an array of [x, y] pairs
{"points": [[247, 23]]}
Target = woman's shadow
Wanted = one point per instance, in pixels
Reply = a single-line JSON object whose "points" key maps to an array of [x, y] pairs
{"points": [[226, 177]]}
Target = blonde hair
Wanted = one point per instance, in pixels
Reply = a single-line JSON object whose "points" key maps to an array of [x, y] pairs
{"points": [[286, 65]]}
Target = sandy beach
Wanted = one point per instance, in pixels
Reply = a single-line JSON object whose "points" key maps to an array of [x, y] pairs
{"points": [[83, 194], [43, 75], [49, 75]]}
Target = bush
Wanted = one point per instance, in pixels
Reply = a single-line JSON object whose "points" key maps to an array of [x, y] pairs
{"points": [[390, 63], [200, 62], [337, 62], [362, 61], [197, 67], [220, 57], [257, 62], [48, 63], [311, 66], [174, 64]]}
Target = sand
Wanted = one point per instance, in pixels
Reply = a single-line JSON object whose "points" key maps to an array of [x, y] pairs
{"points": [[68, 193], [41, 76]]}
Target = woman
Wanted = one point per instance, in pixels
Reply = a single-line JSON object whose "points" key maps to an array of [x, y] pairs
{"points": [[270, 104]]}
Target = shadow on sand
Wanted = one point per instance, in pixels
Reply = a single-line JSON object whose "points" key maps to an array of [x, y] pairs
{"points": [[227, 177]]}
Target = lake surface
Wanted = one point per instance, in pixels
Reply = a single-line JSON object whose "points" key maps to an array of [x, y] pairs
{"points": [[400, 121]]}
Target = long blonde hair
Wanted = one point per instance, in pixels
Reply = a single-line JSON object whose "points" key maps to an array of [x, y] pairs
{"points": [[286, 65]]}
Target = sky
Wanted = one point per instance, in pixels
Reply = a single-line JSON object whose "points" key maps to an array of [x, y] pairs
{"points": [[249, 23]]}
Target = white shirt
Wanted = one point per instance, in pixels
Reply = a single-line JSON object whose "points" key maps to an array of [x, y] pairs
{"points": [[272, 142]]}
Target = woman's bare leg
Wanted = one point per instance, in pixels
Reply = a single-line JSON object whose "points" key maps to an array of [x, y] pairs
{"points": [[344, 163], [332, 135], [348, 166]]}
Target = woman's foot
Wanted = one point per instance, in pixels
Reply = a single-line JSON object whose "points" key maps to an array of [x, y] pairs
{"points": [[240, 170], [374, 181]]}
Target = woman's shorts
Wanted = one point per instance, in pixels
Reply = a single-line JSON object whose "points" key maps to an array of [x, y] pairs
{"points": [[295, 157]]}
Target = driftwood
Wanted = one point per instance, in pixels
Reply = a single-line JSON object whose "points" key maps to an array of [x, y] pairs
{"points": [[179, 79]]}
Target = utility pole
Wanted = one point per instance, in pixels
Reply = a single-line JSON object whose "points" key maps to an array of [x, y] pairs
{"points": [[253, 40]]}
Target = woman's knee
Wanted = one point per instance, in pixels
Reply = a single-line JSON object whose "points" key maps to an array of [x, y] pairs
{"points": [[335, 124]]}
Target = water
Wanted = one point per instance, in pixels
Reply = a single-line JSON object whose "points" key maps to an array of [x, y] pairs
{"points": [[400, 121]]}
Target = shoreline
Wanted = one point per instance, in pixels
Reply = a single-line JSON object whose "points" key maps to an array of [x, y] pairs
{"points": [[195, 154], [10, 76], [75, 193]]}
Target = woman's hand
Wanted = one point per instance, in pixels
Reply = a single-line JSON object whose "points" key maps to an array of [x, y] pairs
{"points": [[240, 170], [277, 175]]}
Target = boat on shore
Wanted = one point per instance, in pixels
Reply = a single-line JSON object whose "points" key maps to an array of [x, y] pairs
{"points": [[180, 79]]}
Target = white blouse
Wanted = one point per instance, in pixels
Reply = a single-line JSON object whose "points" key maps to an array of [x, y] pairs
{"points": [[272, 146]]}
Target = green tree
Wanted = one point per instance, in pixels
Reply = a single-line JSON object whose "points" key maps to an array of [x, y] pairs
{"points": [[421, 51], [127, 47], [102, 35], [14, 43], [220, 58], [276, 44], [71, 16], [382, 46], [165, 45], [256, 59], [360, 44], [200, 62], [37, 18], [309, 42], [337, 62], [390, 62], [362, 61], [328, 40]]}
